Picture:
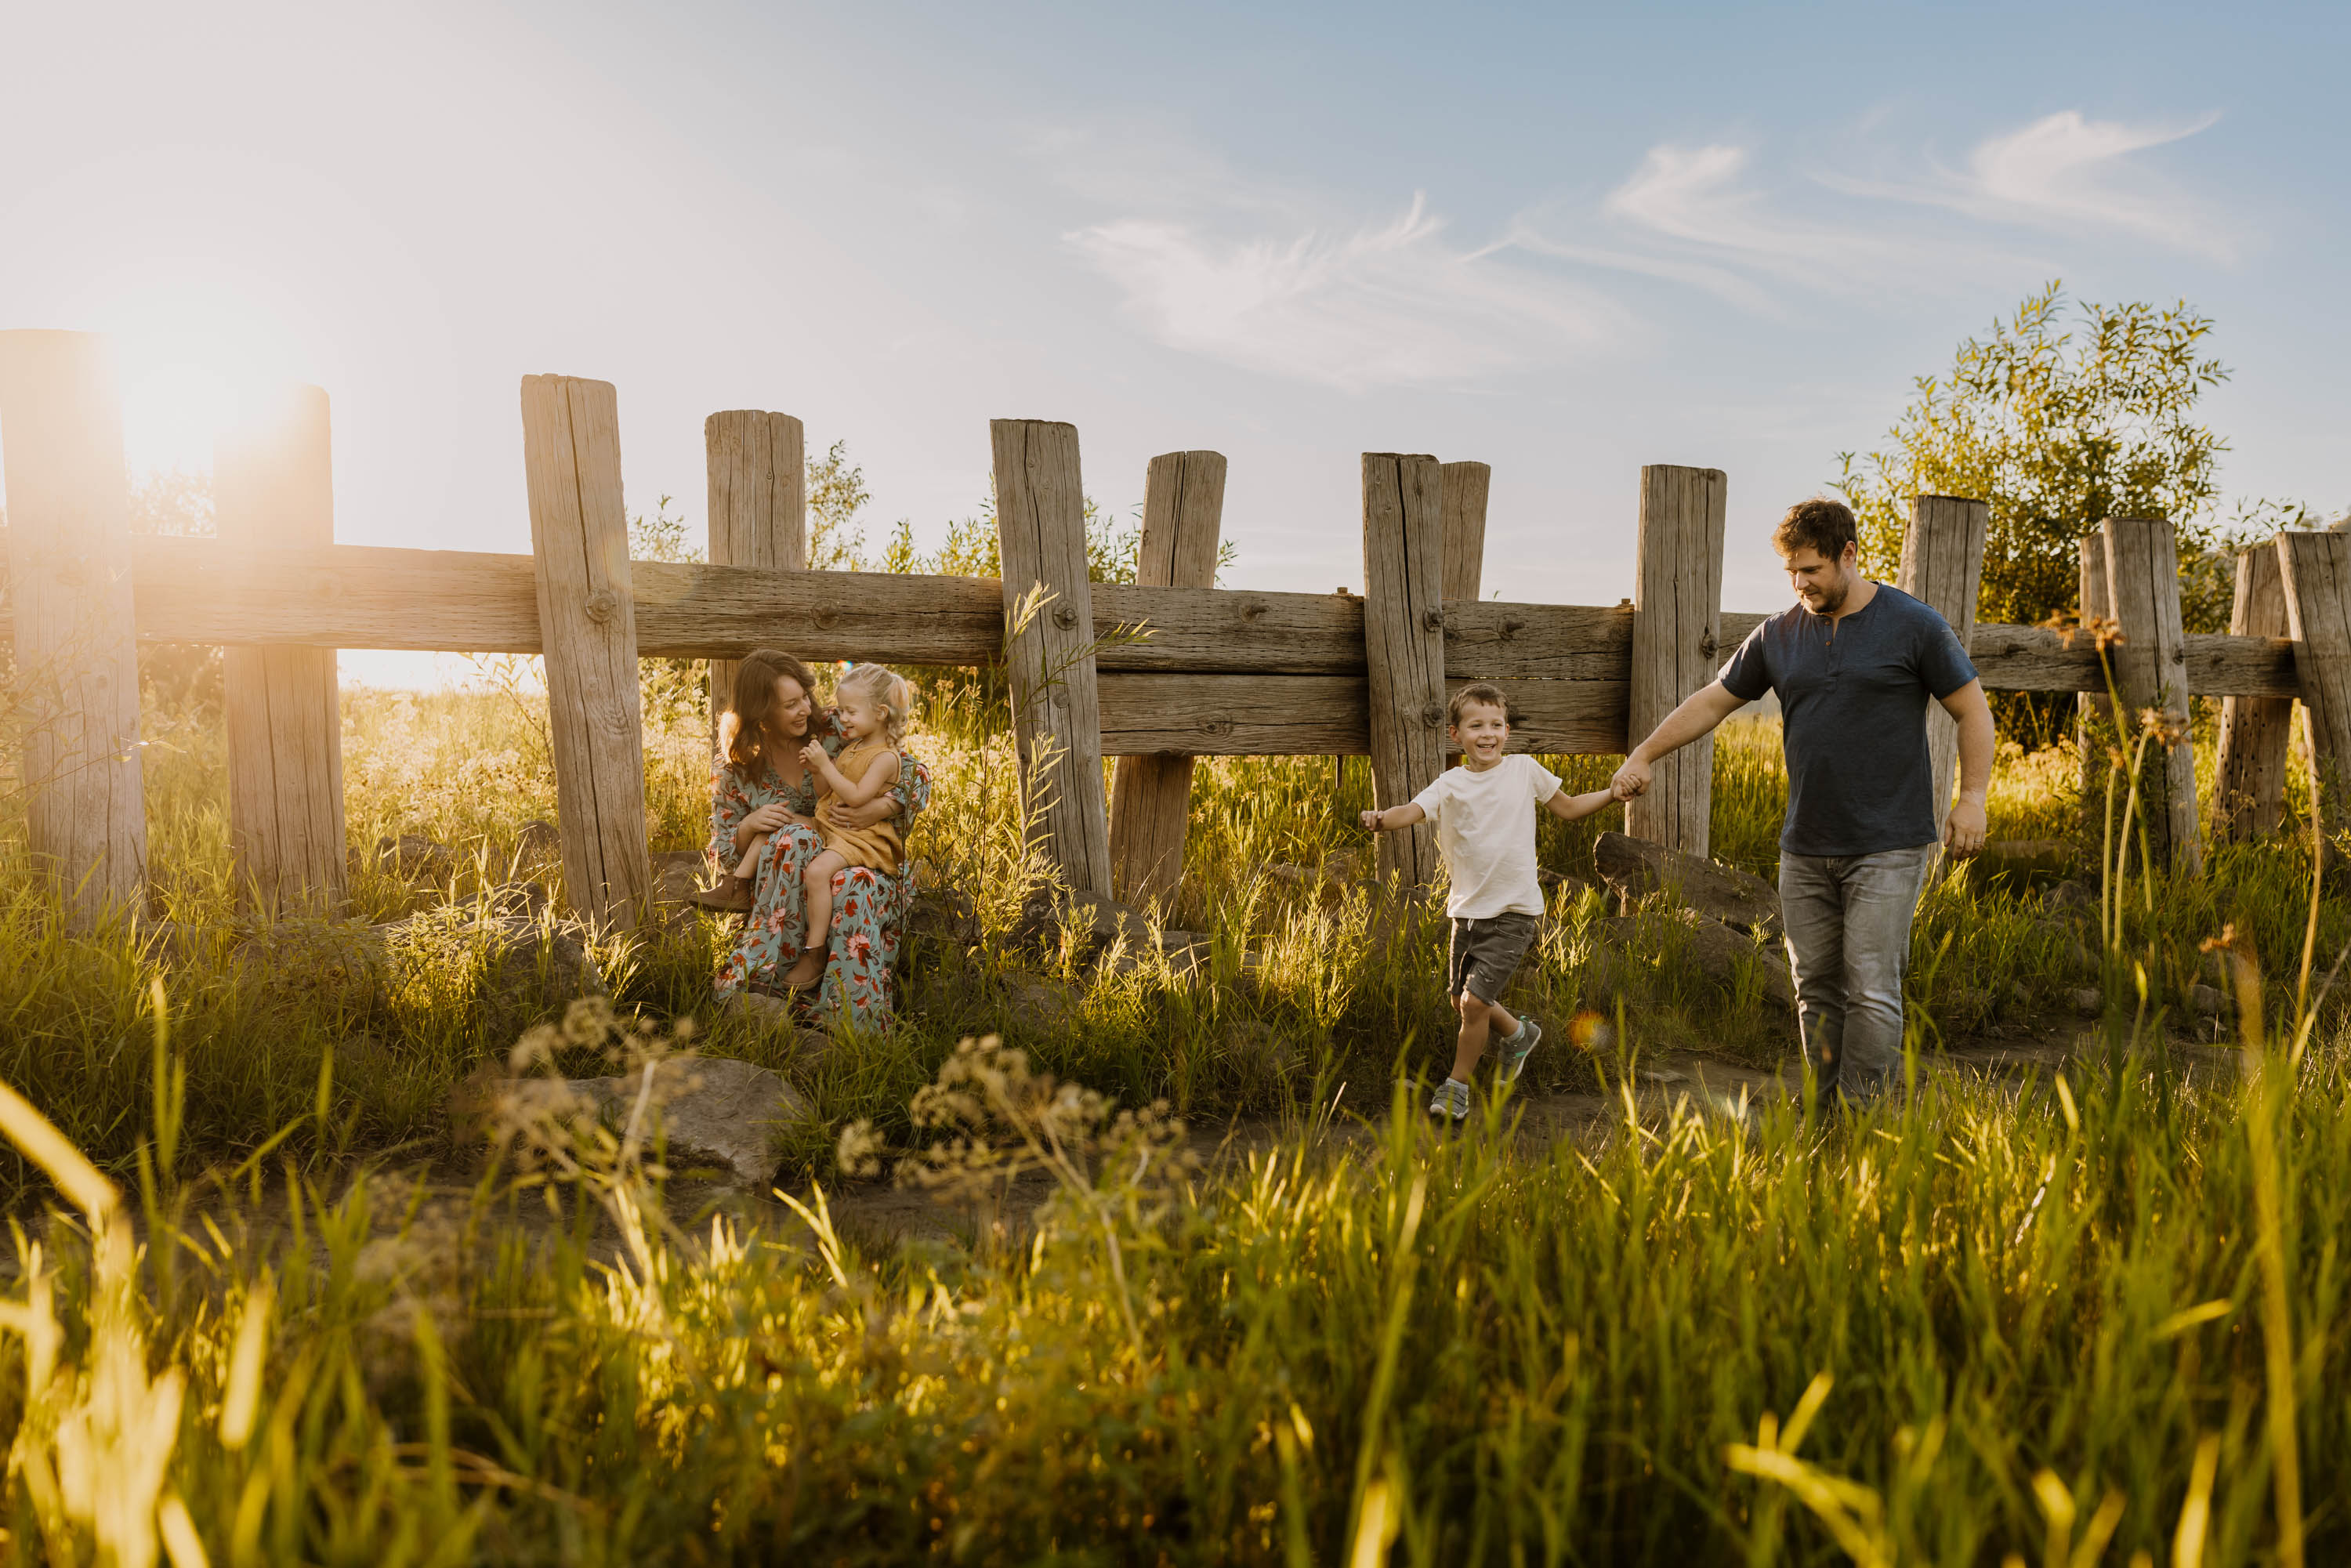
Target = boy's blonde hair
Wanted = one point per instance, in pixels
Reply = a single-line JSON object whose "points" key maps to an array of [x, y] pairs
{"points": [[882, 685]]}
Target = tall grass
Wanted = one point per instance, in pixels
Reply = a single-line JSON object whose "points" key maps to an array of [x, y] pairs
{"points": [[1980, 1324], [1309, 991]]}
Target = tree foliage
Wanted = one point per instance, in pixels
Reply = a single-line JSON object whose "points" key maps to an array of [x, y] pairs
{"points": [[2063, 416]]}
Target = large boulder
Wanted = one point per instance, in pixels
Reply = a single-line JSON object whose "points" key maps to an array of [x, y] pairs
{"points": [[1636, 868], [707, 1112]]}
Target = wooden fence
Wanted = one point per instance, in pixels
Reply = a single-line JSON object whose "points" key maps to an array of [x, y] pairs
{"points": [[1220, 672]]}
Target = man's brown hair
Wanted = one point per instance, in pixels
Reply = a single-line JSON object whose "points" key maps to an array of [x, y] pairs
{"points": [[1818, 524], [1482, 692], [743, 734]]}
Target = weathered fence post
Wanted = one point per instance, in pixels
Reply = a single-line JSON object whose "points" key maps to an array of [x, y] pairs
{"points": [[1463, 491], [274, 488], [1404, 645], [1182, 512], [75, 636], [1676, 630], [1942, 566], [588, 632], [2249, 780], [1048, 625], [758, 466], [2315, 570], [2094, 728], [2151, 672]]}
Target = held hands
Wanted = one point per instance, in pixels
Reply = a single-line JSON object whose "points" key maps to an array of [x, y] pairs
{"points": [[1372, 821], [1963, 830], [1630, 780]]}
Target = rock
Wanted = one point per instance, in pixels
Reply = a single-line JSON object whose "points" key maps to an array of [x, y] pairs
{"points": [[2088, 1000], [2207, 1001], [516, 899], [1035, 1005], [1569, 889], [678, 874], [1720, 952], [943, 917], [519, 968], [1327, 883], [2067, 897], [707, 1110], [413, 857], [1635, 868], [540, 840], [1050, 916]]}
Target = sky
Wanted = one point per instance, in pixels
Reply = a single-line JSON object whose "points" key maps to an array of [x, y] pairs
{"points": [[1563, 241]]}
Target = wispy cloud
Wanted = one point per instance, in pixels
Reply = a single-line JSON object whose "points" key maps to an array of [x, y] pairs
{"points": [[2070, 173], [1389, 304], [1230, 267]]}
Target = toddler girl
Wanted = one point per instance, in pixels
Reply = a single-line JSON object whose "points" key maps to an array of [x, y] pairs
{"points": [[871, 705]]}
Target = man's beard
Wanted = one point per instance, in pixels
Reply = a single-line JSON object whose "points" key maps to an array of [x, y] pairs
{"points": [[1832, 600]]}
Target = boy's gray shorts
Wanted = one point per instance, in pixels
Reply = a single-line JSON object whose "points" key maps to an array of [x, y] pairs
{"points": [[1484, 954]]}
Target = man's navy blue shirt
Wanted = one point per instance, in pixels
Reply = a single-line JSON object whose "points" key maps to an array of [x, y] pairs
{"points": [[1854, 717]]}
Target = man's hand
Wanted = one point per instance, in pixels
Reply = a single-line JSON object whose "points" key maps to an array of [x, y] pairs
{"points": [[1372, 821], [865, 816], [1963, 830], [1631, 779]]}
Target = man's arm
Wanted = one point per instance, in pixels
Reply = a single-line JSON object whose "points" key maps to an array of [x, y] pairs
{"points": [[1963, 830], [1699, 713]]}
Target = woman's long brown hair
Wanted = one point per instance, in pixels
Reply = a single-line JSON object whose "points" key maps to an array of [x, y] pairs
{"points": [[743, 732]]}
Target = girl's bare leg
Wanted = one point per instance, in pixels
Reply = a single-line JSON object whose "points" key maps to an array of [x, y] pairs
{"points": [[819, 907], [751, 855]]}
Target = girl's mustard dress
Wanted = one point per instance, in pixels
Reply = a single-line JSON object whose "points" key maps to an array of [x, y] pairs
{"points": [[878, 846]]}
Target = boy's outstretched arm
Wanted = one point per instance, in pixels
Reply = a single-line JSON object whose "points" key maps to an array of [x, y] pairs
{"points": [[1395, 817], [1569, 808]]}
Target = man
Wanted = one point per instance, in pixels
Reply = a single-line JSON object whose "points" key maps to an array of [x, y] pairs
{"points": [[1855, 663]]}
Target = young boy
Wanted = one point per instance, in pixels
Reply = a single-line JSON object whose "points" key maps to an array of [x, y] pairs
{"points": [[1484, 812]]}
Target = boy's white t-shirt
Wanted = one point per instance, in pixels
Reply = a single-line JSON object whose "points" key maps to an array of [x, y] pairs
{"points": [[1486, 827]]}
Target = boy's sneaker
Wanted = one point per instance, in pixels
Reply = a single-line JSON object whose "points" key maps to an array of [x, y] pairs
{"points": [[1452, 1099], [1514, 1057]]}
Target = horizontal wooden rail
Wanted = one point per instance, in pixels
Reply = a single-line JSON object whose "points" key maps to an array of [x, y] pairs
{"points": [[358, 596]]}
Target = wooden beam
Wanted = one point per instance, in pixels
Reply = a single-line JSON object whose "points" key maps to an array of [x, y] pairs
{"points": [[74, 636], [272, 488], [2151, 673], [1151, 795], [1173, 716], [2249, 775], [1048, 606], [580, 539], [1403, 646], [365, 596], [2314, 569], [1942, 567], [1676, 644], [757, 472], [1327, 715]]}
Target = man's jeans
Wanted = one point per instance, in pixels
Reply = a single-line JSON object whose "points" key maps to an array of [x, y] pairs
{"points": [[1848, 923]]}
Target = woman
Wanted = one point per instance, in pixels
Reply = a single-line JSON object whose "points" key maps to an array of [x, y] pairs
{"points": [[760, 786]]}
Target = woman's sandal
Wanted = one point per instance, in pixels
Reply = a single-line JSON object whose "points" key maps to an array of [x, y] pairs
{"points": [[733, 895]]}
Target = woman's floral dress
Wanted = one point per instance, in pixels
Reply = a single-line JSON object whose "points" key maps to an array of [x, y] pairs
{"points": [[869, 907]]}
